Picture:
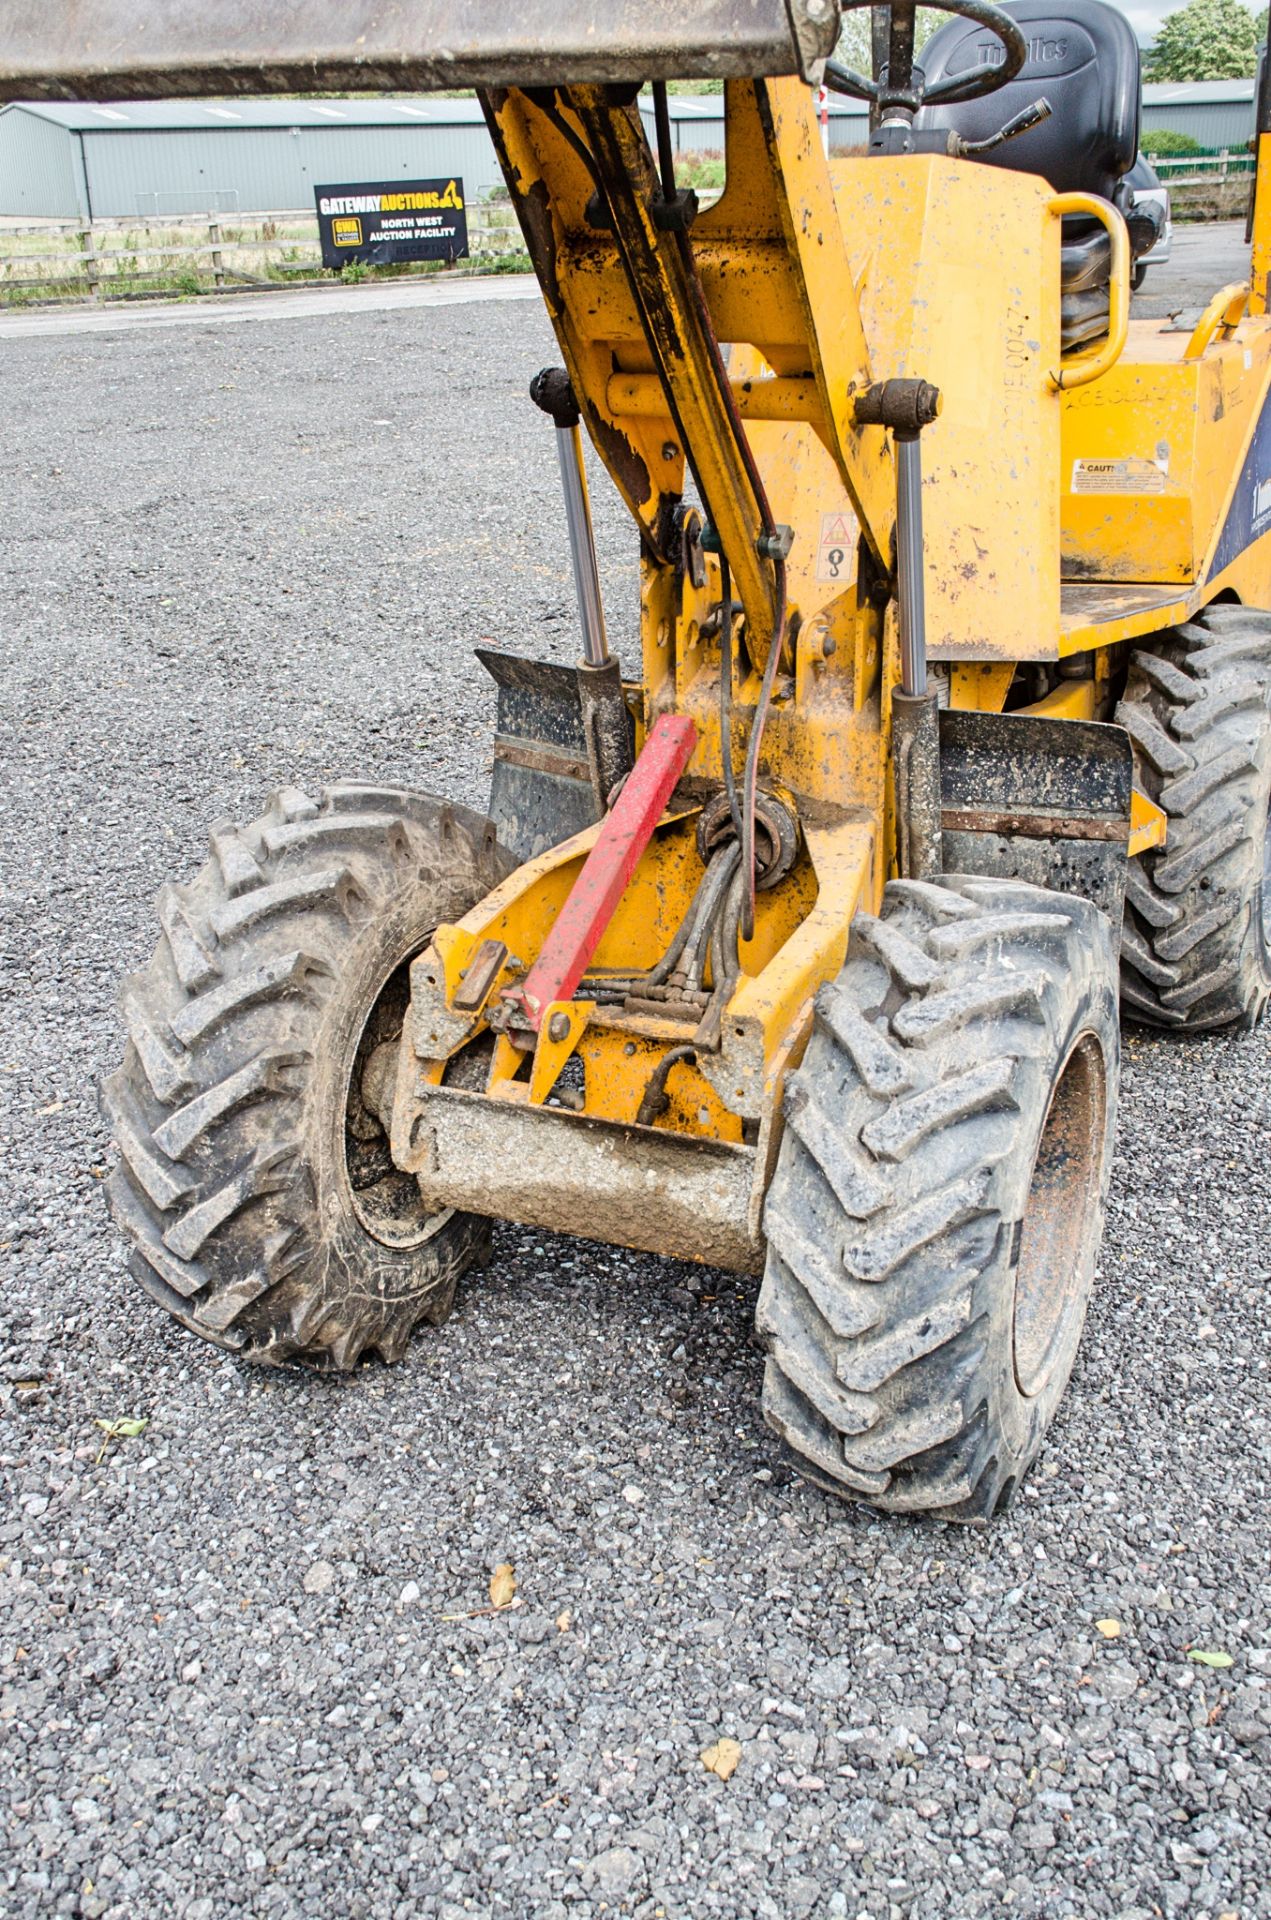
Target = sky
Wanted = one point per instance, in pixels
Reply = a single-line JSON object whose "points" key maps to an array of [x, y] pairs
{"points": [[1145, 16]]}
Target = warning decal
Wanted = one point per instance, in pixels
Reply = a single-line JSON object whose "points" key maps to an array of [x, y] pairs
{"points": [[836, 551], [1119, 476]]}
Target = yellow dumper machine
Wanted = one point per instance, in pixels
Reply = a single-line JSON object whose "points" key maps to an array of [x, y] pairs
{"points": [[797, 946]]}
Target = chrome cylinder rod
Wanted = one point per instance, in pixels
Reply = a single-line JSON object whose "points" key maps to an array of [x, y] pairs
{"points": [[910, 590], [551, 390], [582, 544]]}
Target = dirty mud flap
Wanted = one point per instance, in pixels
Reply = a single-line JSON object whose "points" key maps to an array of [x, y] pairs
{"points": [[640, 1187], [1042, 800], [540, 790]]}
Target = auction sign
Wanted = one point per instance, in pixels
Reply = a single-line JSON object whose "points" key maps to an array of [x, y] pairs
{"points": [[394, 220]]}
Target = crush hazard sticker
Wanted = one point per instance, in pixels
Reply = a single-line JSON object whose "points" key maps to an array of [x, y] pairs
{"points": [[1120, 476], [836, 552]]}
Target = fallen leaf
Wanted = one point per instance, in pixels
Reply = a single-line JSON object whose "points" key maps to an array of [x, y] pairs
{"points": [[722, 1758], [564, 1621], [54, 1106], [1110, 1629], [502, 1586], [1209, 1657], [117, 1430]]}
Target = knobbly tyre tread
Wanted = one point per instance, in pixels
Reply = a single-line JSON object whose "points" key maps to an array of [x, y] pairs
{"points": [[229, 1103], [893, 1218], [1197, 707]]}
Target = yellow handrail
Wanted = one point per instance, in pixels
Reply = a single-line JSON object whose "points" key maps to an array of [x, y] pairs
{"points": [[1226, 310], [1080, 371]]}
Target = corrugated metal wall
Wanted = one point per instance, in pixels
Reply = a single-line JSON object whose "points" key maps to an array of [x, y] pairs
{"points": [[1220, 123], [269, 169], [38, 165]]}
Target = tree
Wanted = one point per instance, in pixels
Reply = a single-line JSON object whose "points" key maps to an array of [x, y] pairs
{"points": [[853, 49], [1163, 143], [1205, 40]]}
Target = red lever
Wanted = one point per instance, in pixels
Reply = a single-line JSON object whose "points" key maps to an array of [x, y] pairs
{"points": [[594, 896]]}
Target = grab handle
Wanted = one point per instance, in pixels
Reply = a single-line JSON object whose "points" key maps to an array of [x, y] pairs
{"points": [[1082, 369], [1226, 310]]}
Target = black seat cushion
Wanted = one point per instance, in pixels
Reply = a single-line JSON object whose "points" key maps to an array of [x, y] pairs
{"points": [[1083, 59]]}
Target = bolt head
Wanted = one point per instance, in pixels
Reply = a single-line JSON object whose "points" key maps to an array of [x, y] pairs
{"points": [[558, 1027]]}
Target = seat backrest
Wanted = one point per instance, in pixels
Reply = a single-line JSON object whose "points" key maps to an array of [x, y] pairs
{"points": [[1083, 58]]}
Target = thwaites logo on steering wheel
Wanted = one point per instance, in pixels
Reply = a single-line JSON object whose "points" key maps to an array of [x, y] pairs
{"points": [[382, 222]]}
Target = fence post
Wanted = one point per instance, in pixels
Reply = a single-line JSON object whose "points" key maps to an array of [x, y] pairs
{"points": [[218, 263], [1224, 156], [89, 248]]}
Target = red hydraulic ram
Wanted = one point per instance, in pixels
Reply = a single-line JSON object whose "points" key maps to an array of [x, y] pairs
{"points": [[594, 896]]}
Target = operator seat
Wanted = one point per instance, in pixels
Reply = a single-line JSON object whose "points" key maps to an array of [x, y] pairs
{"points": [[1084, 59]]}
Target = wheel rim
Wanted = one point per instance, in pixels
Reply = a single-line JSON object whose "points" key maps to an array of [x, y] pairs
{"points": [[1065, 1186], [385, 1200]]}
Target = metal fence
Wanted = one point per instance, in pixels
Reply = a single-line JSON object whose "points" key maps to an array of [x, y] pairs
{"points": [[1191, 169]]}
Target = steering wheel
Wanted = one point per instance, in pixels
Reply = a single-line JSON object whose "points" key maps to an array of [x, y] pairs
{"points": [[896, 87]]}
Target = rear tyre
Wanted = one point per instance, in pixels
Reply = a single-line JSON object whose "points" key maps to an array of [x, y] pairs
{"points": [[937, 1206], [255, 1182], [1196, 945]]}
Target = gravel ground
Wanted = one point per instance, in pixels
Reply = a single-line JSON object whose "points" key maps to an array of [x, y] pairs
{"points": [[244, 1658]]}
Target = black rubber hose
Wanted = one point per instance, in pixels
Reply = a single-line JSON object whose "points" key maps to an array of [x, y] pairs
{"points": [[751, 778], [726, 692], [655, 1099], [666, 154]]}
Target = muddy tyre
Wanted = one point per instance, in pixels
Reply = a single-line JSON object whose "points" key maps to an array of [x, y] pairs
{"points": [[254, 1179], [1196, 946], [937, 1206]]}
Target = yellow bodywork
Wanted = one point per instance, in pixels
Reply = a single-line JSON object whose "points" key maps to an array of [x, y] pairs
{"points": [[1070, 505]]}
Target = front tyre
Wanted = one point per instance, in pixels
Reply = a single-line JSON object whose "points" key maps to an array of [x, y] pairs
{"points": [[1196, 946], [255, 1182], [937, 1206]]}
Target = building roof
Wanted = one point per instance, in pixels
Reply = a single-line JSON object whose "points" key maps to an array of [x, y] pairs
{"points": [[1196, 93], [119, 116], [430, 109]]}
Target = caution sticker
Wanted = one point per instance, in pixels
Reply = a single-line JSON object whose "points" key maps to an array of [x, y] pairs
{"points": [[836, 553], [1120, 476]]}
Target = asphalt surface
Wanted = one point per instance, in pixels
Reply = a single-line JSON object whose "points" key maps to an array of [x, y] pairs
{"points": [[281, 303], [1203, 257], [245, 1666]]}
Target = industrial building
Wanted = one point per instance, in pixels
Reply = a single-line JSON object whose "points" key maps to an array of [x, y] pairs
{"points": [[150, 159], [1215, 113]]}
